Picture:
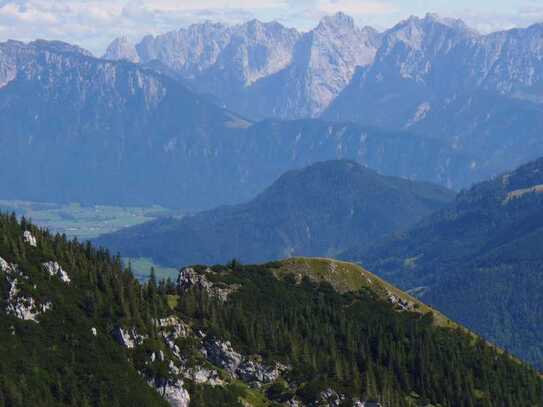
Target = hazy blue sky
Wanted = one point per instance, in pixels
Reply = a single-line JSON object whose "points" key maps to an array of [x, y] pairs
{"points": [[93, 23]]}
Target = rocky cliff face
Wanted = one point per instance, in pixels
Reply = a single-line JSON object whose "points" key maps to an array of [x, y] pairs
{"points": [[440, 59], [407, 70], [324, 63], [480, 94], [226, 62], [121, 49]]}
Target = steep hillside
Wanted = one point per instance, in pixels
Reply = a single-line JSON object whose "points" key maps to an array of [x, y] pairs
{"points": [[77, 329], [76, 128], [480, 262], [60, 305], [318, 211]]}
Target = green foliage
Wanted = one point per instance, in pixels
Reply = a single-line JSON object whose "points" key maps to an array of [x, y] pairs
{"points": [[59, 361], [356, 343], [480, 261], [351, 341]]}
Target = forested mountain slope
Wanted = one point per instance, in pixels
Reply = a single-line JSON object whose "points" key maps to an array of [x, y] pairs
{"points": [[77, 329], [320, 210], [480, 261]]}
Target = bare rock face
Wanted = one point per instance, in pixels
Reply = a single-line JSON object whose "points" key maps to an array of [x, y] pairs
{"points": [[129, 338], [223, 355], [247, 369], [8, 68], [173, 391], [29, 239], [189, 278], [21, 305], [188, 51], [54, 269], [121, 49], [225, 61], [328, 57], [5, 267]]}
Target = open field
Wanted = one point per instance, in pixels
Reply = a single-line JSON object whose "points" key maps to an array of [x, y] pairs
{"points": [[83, 222]]}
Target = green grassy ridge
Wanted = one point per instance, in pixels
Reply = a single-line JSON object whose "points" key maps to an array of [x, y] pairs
{"points": [[346, 277]]}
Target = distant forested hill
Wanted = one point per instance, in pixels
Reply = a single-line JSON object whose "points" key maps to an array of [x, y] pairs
{"points": [[317, 211]]}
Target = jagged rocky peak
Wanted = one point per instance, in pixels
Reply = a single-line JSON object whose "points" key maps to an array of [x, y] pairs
{"points": [[338, 20], [122, 49], [188, 51], [258, 50], [455, 23], [343, 24], [330, 55], [415, 30]]}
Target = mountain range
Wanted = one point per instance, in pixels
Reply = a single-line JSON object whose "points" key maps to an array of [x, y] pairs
{"points": [[437, 57], [77, 329], [480, 94], [74, 128], [151, 133], [321, 210], [479, 261]]}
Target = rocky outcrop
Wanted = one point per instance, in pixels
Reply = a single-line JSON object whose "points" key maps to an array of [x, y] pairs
{"points": [[121, 49], [400, 303], [55, 270], [20, 304], [173, 391], [330, 397], [189, 278], [129, 338], [30, 239], [256, 373], [24, 306], [5, 267], [247, 369]]}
